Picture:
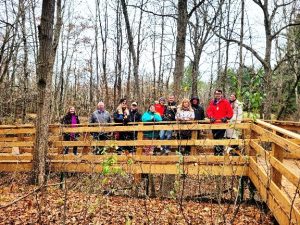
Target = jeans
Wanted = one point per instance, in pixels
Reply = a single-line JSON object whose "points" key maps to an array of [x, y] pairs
{"points": [[165, 135], [68, 137], [99, 150]]}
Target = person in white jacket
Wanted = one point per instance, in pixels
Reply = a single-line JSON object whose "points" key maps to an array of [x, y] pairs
{"points": [[185, 113], [237, 117]]}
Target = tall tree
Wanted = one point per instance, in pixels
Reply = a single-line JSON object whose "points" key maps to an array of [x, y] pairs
{"points": [[182, 21], [132, 51], [48, 42], [271, 34]]}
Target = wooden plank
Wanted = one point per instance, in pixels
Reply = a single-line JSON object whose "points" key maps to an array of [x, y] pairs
{"points": [[18, 131], [288, 125], [16, 126], [16, 167], [279, 166], [156, 169], [276, 199], [6, 157], [288, 155], [149, 127], [8, 138], [286, 145], [114, 143], [208, 159], [278, 129], [17, 144], [277, 154]]}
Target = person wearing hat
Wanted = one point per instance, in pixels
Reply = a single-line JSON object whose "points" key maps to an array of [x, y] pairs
{"points": [[134, 114], [198, 109], [160, 108]]}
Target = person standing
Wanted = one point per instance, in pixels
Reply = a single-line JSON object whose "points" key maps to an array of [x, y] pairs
{"points": [[219, 110], [185, 113], [151, 116], [122, 116], [237, 117], [134, 116], [198, 109], [100, 116], [160, 108], [70, 119], [169, 115]]}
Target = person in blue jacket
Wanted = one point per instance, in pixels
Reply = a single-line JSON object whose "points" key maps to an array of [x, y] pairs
{"points": [[151, 116]]}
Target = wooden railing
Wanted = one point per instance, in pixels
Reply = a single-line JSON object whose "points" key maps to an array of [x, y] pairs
{"points": [[265, 149]]}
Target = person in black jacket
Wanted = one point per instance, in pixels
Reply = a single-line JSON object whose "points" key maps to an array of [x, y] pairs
{"points": [[169, 115], [70, 119], [122, 116], [134, 117], [198, 109], [134, 114]]}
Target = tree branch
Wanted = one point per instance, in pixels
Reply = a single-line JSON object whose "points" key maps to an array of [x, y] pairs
{"points": [[284, 27], [153, 13], [195, 7], [255, 53]]}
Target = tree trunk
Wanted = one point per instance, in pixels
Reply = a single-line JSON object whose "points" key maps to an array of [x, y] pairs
{"points": [[132, 51], [180, 45], [25, 61], [48, 44], [241, 64]]}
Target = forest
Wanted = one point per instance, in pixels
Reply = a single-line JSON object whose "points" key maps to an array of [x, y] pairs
{"points": [[57, 54], [102, 50]]}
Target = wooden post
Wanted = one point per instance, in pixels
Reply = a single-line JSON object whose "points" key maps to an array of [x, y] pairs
{"points": [[248, 149], [194, 137], [140, 135], [85, 149], [139, 151], [277, 152], [250, 152]]}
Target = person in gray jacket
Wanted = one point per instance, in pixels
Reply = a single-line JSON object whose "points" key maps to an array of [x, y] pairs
{"points": [[100, 116]]}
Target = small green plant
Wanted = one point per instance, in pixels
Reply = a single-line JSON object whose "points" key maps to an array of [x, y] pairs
{"points": [[109, 166]]}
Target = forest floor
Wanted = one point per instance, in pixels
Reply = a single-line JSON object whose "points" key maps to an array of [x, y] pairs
{"points": [[83, 203]]}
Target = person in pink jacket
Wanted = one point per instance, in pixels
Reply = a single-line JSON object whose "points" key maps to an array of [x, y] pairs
{"points": [[219, 110]]}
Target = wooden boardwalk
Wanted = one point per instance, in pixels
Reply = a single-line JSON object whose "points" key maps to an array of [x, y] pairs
{"points": [[269, 155]]}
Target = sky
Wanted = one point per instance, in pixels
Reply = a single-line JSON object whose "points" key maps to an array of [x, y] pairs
{"points": [[208, 65]]}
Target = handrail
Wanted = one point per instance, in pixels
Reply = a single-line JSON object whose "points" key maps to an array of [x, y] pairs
{"points": [[278, 129]]}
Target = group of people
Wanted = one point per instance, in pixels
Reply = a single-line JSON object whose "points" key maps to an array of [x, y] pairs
{"points": [[219, 110]]}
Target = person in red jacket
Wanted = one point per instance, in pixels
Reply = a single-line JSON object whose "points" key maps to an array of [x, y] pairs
{"points": [[160, 108], [219, 111]]}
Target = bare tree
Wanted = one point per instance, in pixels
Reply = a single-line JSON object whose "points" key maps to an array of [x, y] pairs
{"points": [[271, 33], [182, 21], [104, 36], [48, 40], [132, 51], [201, 33]]}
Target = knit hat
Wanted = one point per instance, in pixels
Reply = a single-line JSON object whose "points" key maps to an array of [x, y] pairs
{"points": [[162, 99], [134, 103]]}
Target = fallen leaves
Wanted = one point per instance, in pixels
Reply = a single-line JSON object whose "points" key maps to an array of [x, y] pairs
{"points": [[76, 206]]}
